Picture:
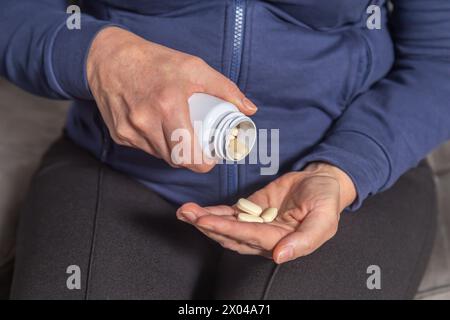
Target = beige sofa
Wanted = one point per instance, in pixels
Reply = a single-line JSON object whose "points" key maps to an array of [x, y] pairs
{"points": [[28, 124]]}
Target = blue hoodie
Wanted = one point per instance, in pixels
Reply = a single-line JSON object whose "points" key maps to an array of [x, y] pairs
{"points": [[372, 102]]}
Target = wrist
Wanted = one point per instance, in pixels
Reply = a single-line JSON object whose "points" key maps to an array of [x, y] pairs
{"points": [[347, 188]]}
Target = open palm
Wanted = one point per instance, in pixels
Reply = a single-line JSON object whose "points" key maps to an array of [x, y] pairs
{"points": [[309, 210]]}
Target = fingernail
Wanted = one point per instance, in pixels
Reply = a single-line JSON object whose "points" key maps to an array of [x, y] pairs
{"points": [[249, 105], [189, 216], [286, 254]]}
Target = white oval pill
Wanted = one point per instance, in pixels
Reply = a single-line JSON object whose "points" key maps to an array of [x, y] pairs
{"points": [[238, 156], [237, 149], [241, 147], [244, 217], [249, 207], [232, 147], [269, 214], [235, 131]]}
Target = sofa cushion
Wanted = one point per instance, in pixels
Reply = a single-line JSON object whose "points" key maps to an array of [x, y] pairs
{"points": [[28, 124], [436, 281]]}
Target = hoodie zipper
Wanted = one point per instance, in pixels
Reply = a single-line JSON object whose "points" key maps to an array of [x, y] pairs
{"points": [[236, 56]]}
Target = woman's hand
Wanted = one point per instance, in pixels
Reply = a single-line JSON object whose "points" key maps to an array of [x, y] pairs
{"points": [[309, 202], [142, 88]]}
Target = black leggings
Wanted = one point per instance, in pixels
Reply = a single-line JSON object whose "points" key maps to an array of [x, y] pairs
{"points": [[129, 245]]}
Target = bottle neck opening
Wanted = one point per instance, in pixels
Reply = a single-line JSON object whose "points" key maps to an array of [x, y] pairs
{"points": [[234, 137]]}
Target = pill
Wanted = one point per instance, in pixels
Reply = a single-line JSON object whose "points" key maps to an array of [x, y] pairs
{"points": [[235, 132], [269, 214], [249, 218], [232, 147], [238, 156], [241, 147], [237, 149], [249, 207]]}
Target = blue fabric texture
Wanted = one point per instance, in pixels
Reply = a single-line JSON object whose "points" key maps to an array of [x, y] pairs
{"points": [[372, 102]]}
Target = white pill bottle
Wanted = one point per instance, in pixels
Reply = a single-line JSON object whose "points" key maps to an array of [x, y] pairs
{"points": [[220, 127]]}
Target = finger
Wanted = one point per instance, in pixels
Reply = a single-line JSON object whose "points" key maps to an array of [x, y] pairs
{"points": [[264, 236], [196, 160], [220, 86], [144, 138], [128, 136], [233, 245], [191, 211], [313, 232], [143, 143]]}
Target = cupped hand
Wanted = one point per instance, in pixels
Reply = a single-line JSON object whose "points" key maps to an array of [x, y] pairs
{"points": [[142, 91], [309, 203]]}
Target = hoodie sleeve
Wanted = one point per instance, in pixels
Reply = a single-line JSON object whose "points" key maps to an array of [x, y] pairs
{"points": [[40, 54], [390, 128]]}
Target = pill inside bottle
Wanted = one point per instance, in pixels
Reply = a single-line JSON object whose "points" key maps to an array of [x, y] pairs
{"points": [[236, 147], [226, 133]]}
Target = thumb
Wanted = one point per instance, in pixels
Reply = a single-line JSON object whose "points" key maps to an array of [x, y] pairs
{"points": [[316, 229], [218, 85]]}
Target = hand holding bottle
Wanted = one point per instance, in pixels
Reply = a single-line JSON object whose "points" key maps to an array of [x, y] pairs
{"points": [[142, 91]]}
